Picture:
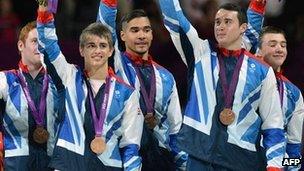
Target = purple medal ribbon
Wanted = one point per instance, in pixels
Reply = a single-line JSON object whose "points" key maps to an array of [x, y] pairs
{"points": [[281, 90], [98, 122], [229, 90], [149, 99], [38, 115], [52, 5]]}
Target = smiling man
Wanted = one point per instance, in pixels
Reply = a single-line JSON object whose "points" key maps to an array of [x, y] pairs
{"points": [[273, 50], [102, 126]]}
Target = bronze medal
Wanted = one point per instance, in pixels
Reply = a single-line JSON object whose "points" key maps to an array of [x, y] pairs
{"points": [[150, 120], [40, 135], [98, 145], [227, 116]]}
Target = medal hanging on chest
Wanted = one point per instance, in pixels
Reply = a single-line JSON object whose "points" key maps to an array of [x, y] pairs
{"points": [[98, 144], [40, 134], [150, 118], [227, 116]]}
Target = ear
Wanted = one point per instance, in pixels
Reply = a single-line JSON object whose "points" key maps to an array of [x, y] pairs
{"points": [[243, 27], [81, 51], [110, 53], [20, 45], [122, 35]]}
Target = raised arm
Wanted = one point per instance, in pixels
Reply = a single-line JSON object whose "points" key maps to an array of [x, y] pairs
{"points": [[107, 12], [132, 130], [272, 122], [255, 15], [183, 34], [48, 43]]}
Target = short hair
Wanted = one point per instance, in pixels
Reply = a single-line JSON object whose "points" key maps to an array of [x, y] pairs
{"points": [[269, 30], [97, 29], [137, 13], [23, 34], [242, 17]]}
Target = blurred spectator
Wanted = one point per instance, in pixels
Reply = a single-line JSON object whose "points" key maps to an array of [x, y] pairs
{"points": [[201, 14], [9, 22]]}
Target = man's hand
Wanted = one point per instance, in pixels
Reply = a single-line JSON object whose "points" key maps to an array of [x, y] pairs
{"points": [[42, 3]]}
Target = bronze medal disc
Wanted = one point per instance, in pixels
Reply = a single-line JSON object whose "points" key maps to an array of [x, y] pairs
{"points": [[150, 120], [98, 145], [40, 135], [227, 116]]}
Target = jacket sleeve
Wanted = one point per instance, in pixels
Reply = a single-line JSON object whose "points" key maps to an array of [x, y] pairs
{"points": [[48, 43], [175, 121], [255, 15], [132, 126], [184, 36], [272, 122]]}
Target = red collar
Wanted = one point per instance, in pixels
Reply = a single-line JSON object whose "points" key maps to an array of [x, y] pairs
{"points": [[137, 60], [24, 68], [228, 53], [279, 74]]}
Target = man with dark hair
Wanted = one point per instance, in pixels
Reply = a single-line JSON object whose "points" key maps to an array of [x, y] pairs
{"points": [[30, 107], [232, 96], [159, 99], [273, 50], [102, 126]]}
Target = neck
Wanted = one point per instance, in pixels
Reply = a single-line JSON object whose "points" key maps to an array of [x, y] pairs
{"points": [[97, 73], [277, 69], [232, 46], [33, 69], [143, 56]]}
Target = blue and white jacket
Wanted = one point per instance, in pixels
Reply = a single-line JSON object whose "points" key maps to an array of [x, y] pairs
{"points": [[122, 127], [255, 104], [293, 110], [292, 106], [17, 116], [167, 106]]}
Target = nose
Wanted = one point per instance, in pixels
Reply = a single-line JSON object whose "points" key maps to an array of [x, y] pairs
{"points": [[141, 34], [279, 48], [220, 26], [98, 50]]}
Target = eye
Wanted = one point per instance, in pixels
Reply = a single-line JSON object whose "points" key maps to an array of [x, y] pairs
{"points": [[228, 21], [272, 44], [90, 46], [217, 23], [35, 41], [103, 45], [147, 30], [134, 30]]}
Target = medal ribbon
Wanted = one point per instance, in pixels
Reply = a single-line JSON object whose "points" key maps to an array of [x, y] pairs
{"points": [[148, 99], [229, 90], [38, 115], [281, 89], [98, 121], [52, 5]]}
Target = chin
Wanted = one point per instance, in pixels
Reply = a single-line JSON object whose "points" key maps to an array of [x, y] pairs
{"points": [[141, 51]]}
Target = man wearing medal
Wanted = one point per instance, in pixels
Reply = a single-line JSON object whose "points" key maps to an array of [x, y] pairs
{"points": [[32, 109], [102, 126], [159, 99], [232, 97], [272, 48]]}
